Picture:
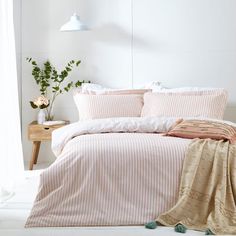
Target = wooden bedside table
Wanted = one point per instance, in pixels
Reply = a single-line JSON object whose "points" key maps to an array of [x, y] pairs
{"points": [[38, 133]]}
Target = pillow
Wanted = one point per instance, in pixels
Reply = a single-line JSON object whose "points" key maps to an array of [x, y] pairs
{"points": [[154, 85], [204, 129], [88, 88], [92, 106], [91, 87], [209, 104], [117, 91], [186, 90]]}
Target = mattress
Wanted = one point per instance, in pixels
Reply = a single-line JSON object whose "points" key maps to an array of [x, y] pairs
{"points": [[109, 179]]}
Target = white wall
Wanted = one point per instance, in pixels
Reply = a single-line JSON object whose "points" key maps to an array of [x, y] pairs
{"points": [[177, 42], [187, 42]]}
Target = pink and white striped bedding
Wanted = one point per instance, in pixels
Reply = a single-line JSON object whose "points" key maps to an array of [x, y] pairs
{"points": [[202, 103], [110, 172], [92, 106]]}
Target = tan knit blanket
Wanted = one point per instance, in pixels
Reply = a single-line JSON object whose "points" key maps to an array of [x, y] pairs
{"points": [[207, 194]]}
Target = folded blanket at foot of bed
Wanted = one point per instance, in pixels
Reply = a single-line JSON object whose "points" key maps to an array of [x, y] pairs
{"points": [[207, 192]]}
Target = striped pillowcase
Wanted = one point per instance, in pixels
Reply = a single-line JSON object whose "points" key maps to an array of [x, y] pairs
{"points": [[204, 129], [209, 104], [100, 106]]}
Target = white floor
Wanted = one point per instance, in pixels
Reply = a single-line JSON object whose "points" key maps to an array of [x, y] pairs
{"points": [[14, 212]]}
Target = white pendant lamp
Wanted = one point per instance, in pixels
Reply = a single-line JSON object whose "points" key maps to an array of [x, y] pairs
{"points": [[74, 24]]}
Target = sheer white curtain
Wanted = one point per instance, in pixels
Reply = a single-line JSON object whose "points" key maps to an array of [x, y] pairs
{"points": [[11, 159]]}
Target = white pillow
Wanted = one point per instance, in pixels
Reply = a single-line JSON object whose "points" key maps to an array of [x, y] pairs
{"points": [[89, 88], [154, 85], [184, 89]]}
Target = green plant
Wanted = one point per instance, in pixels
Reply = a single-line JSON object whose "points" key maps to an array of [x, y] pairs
{"points": [[52, 83]]}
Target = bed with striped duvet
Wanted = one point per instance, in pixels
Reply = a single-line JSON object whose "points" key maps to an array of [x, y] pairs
{"points": [[110, 172]]}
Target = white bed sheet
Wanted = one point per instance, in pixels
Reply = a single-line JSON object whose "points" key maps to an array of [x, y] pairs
{"points": [[14, 212]]}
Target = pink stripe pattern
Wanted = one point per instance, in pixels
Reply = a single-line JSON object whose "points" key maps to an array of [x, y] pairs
{"points": [[208, 104], [107, 106], [110, 179]]}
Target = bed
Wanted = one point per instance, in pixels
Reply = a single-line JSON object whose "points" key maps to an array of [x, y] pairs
{"points": [[109, 179], [118, 171]]}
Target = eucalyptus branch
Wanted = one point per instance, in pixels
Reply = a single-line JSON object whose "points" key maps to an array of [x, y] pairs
{"points": [[51, 82]]}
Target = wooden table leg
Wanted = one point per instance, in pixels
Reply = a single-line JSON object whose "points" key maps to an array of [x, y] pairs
{"points": [[35, 153]]}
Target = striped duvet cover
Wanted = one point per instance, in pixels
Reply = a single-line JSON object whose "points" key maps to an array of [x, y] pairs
{"points": [[110, 172]]}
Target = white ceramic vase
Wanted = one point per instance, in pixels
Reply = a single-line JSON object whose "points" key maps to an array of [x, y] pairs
{"points": [[41, 116]]}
